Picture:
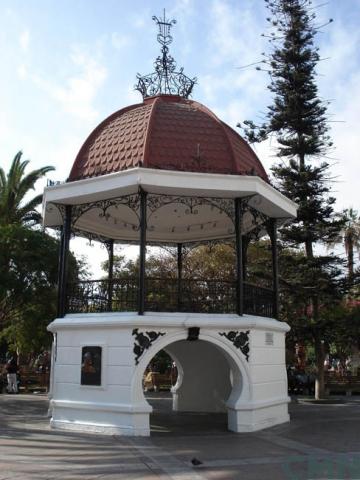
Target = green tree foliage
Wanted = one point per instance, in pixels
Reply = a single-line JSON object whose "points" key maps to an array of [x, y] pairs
{"points": [[203, 262], [26, 280], [15, 186], [214, 262], [345, 319], [297, 118], [28, 261], [28, 265]]}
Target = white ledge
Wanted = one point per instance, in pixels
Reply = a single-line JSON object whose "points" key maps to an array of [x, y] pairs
{"points": [[127, 182], [103, 407], [174, 320], [258, 405]]}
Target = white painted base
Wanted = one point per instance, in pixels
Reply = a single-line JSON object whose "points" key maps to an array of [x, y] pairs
{"points": [[214, 375], [252, 418], [98, 428], [105, 418]]}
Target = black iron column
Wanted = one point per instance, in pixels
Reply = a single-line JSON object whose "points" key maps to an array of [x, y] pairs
{"points": [[179, 282], [110, 249], [275, 266], [239, 258], [142, 293], [63, 262], [245, 246], [61, 248]]}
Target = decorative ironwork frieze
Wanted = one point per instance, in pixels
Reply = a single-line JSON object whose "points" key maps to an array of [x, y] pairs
{"points": [[143, 341], [130, 201], [259, 221], [225, 205], [165, 79], [90, 237], [240, 340]]}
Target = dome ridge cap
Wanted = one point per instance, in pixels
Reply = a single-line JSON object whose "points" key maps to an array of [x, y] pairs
{"points": [[155, 102], [246, 145], [222, 124]]}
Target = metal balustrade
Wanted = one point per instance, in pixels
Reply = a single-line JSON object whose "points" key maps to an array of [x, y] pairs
{"points": [[167, 295]]}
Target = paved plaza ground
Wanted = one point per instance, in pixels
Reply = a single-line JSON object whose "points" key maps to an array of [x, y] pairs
{"points": [[321, 442]]}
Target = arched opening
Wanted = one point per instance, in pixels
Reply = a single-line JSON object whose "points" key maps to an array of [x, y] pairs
{"points": [[211, 382]]}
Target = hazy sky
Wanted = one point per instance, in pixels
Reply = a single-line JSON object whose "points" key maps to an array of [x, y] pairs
{"points": [[68, 64]]}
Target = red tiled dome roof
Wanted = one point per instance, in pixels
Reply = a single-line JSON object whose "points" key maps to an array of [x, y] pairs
{"points": [[165, 132]]}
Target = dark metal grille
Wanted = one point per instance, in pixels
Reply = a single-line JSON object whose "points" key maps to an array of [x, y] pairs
{"points": [[197, 296], [93, 296], [164, 295], [258, 300]]}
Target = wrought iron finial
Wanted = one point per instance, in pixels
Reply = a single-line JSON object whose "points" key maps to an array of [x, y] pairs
{"points": [[165, 79], [164, 37]]}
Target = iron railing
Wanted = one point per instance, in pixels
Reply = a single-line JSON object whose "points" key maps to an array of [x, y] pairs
{"points": [[167, 295], [258, 300]]}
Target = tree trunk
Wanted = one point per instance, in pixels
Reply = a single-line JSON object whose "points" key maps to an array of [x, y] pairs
{"points": [[350, 255], [320, 370], [309, 249]]}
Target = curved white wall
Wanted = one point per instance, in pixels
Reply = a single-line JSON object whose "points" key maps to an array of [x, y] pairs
{"points": [[206, 377], [257, 400]]}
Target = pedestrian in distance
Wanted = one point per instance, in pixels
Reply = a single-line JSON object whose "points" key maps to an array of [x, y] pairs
{"points": [[11, 371]]}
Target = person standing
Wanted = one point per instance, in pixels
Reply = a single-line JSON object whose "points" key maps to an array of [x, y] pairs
{"points": [[11, 370]]}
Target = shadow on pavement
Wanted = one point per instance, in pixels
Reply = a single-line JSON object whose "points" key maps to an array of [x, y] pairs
{"points": [[164, 421]]}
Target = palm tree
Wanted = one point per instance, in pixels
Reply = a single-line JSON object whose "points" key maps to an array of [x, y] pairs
{"points": [[350, 237], [14, 187]]}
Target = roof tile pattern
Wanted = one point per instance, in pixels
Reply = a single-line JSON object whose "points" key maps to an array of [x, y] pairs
{"points": [[185, 137], [165, 132], [244, 155], [116, 144]]}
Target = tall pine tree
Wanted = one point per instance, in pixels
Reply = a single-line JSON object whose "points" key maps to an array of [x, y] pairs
{"points": [[298, 120]]}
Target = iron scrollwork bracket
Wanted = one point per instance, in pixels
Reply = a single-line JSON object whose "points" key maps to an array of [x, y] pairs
{"points": [[259, 220], [143, 342], [240, 340], [130, 201]]}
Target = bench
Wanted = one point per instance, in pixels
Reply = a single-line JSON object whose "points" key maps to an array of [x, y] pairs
{"points": [[157, 381], [31, 381], [348, 384]]}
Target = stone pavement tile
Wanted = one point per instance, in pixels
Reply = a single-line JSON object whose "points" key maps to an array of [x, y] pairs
{"points": [[213, 447], [187, 423], [255, 472], [50, 475], [309, 446], [163, 461], [330, 427], [293, 467], [39, 470], [142, 476]]}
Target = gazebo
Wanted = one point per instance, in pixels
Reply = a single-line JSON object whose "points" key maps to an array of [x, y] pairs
{"points": [[166, 171]]}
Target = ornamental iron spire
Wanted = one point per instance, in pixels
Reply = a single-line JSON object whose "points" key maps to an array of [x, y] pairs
{"points": [[165, 80]]}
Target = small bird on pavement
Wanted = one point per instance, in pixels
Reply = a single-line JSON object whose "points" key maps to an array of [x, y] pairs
{"points": [[196, 462]]}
